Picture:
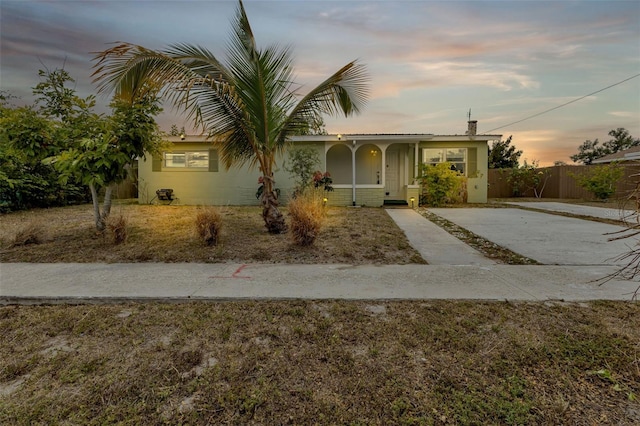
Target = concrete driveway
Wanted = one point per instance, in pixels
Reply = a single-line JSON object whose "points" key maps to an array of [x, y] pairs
{"points": [[547, 238]]}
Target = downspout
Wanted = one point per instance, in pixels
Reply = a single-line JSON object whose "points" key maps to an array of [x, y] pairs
{"points": [[353, 173]]}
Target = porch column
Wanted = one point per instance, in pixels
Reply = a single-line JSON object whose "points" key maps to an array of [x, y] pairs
{"points": [[383, 179], [353, 172], [416, 161]]}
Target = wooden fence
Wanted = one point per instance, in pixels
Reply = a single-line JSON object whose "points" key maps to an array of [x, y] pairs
{"points": [[560, 183], [129, 187]]}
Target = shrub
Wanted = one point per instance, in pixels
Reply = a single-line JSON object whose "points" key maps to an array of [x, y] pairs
{"points": [[118, 229], [307, 215], [300, 166], [31, 233], [528, 178], [209, 225], [600, 180], [441, 184]]}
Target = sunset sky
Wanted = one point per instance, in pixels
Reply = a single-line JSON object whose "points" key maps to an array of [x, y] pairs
{"points": [[429, 61]]}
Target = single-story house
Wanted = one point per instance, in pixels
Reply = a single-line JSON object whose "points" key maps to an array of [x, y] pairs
{"points": [[367, 169]]}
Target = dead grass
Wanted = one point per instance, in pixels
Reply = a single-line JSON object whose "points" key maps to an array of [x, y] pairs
{"points": [[117, 226], [307, 214], [28, 234], [321, 362], [209, 225], [165, 234]]}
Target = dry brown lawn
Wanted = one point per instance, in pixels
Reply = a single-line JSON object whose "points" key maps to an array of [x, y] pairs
{"points": [[168, 234], [299, 362], [321, 362]]}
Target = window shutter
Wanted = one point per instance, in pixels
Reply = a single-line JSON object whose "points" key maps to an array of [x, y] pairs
{"points": [[472, 162], [213, 160], [156, 163]]}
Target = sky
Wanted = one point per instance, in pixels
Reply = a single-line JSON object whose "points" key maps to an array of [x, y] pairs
{"points": [[430, 62]]}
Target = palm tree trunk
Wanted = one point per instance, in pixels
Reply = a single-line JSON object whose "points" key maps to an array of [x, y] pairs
{"points": [[273, 218]]}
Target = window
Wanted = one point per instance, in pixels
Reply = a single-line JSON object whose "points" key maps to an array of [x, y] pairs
{"points": [[189, 159], [456, 156], [193, 160]]}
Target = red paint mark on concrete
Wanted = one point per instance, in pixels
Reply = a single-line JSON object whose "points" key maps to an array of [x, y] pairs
{"points": [[236, 274]]}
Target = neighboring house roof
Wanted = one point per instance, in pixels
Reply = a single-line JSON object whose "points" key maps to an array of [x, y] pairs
{"points": [[630, 154]]}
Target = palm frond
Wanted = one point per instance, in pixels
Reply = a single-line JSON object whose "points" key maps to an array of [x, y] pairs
{"points": [[346, 91], [262, 81]]}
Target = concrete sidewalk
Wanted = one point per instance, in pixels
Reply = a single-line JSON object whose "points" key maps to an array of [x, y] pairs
{"points": [[99, 283]]}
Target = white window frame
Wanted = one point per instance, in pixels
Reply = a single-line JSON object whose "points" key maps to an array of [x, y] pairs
{"points": [[443, 157], [190, 162]]}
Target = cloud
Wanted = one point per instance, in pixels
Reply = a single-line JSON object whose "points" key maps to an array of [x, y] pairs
{"points": [[623, 114], [504, 77]]}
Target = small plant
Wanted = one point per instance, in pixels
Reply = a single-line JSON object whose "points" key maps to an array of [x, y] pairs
{"points": [[307, 215], [607, 376], [322, 180], [209, 225], [301, 163], [601, 180], [441, 184], [31, 233], [117, 227]]}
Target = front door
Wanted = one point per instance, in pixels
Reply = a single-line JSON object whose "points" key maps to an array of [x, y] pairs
{"points": [[392, 179]]}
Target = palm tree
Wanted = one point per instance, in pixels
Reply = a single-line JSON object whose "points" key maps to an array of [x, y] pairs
{"points": [[251, 104]]}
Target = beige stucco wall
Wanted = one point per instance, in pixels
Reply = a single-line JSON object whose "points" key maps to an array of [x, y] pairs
{"points": [[236, 186]]}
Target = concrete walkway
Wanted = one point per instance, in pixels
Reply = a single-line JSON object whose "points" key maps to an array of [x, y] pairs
{"points": [[434, 244], [549, 239]]}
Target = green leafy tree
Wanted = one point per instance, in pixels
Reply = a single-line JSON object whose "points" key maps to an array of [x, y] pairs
{"points": [[315, 126], [100, 160], [88, 148], [441, 184], [592, 150], [250, 104], [25, 139], [600, 180], [27, 136], [528, 178], [175, 132], [502, 155]]}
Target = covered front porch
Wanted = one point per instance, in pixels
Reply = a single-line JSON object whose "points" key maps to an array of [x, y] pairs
{"points": [[372, 170]]}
